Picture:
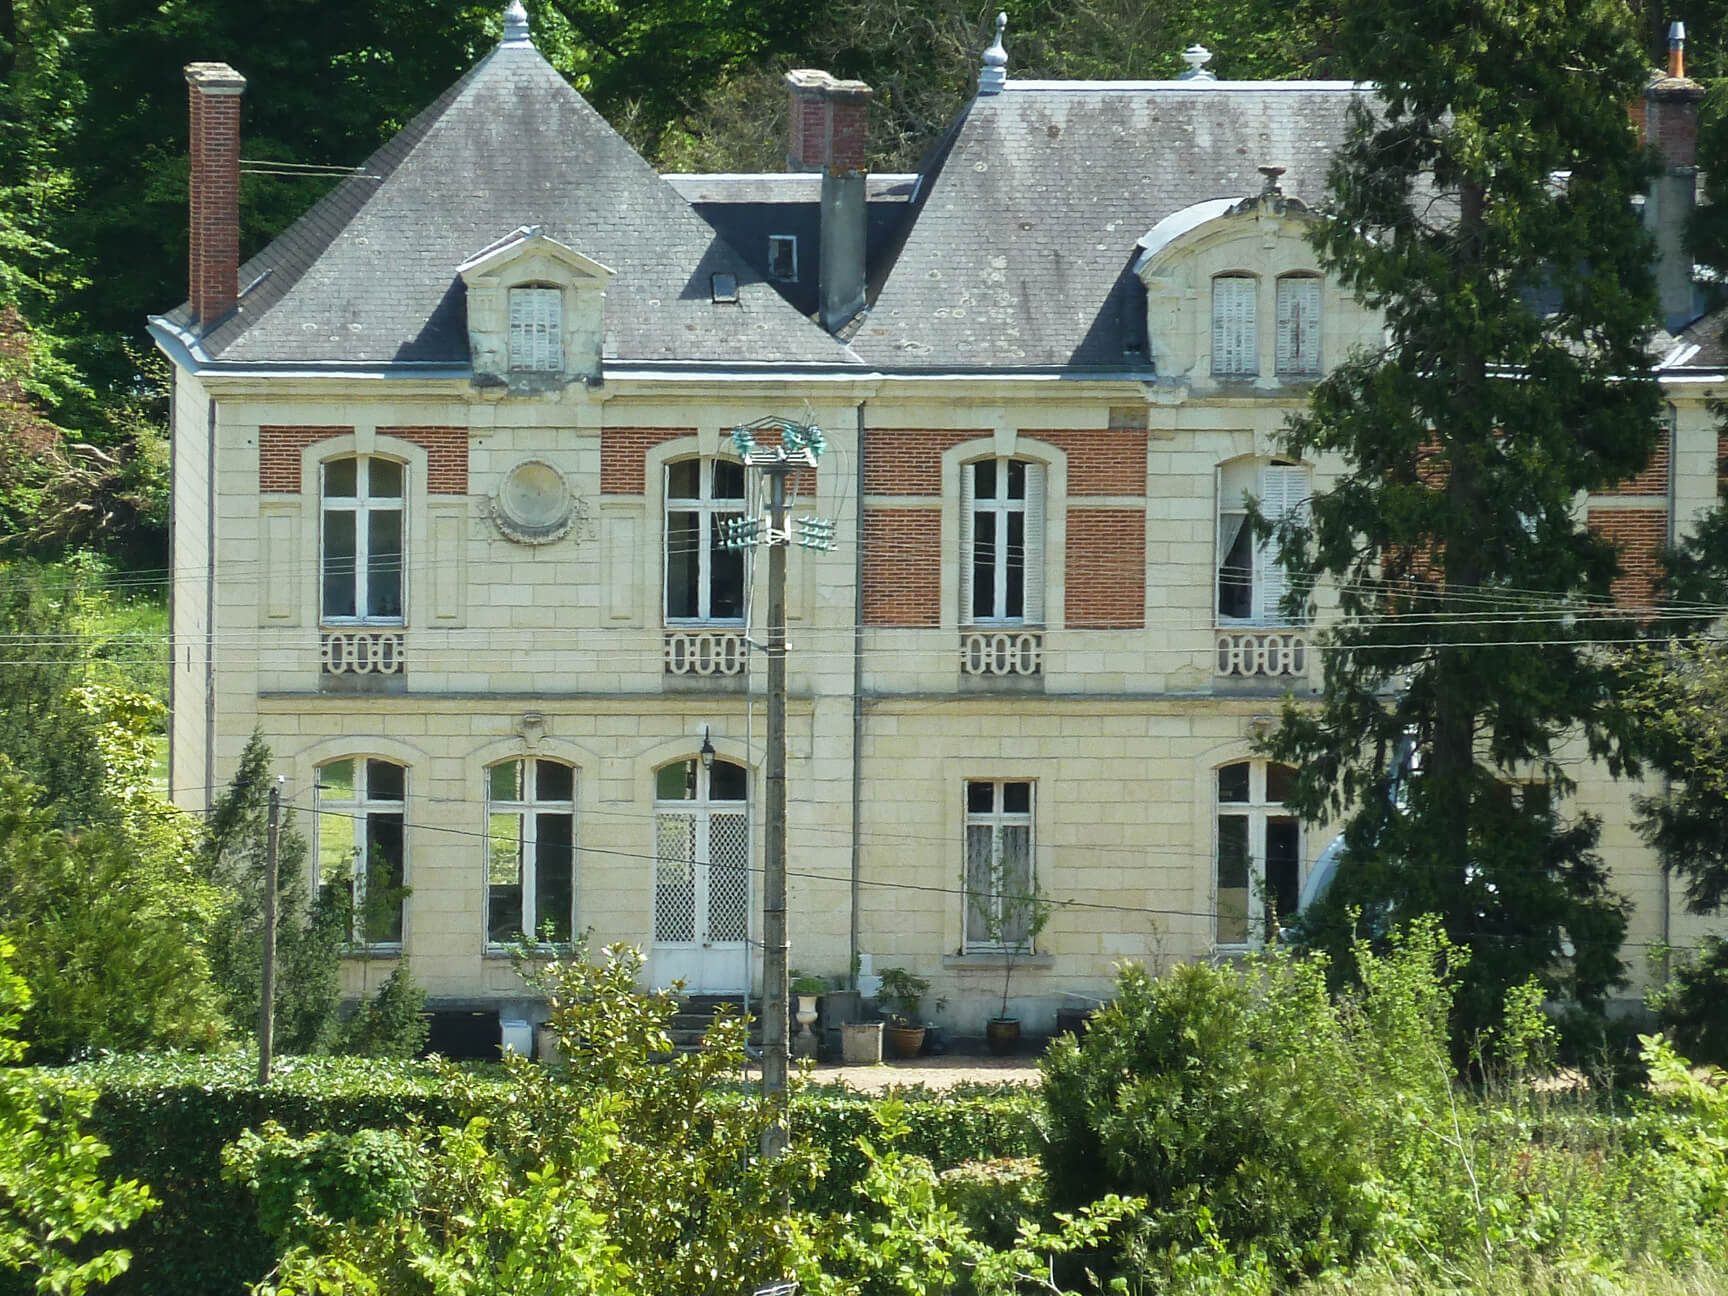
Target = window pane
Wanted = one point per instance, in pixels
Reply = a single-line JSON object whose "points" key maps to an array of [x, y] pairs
{"points": [[725, 577], [1016, 479], [1235, 566], [554, 876], [980, 900], [504, 877], [1017, 798], [684, 479], [984, 479], [726, 782], [340, 476], [1283, 868], [383, 479], [1280, 782], [1014, 596], [384, 781], [335, 846], [554, 781], [984, 565], [380, 919], [1233, 783], [980, 797], [1233, 879], [384, 563], [339, 554], [1016, 891], [336, 781], [676, 782], [683, 564], [504, 781], [728, 480]]}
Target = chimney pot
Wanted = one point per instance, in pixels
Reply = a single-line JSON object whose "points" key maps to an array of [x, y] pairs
{"points": [[213, 93]]}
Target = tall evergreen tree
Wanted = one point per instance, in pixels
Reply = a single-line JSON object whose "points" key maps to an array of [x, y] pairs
{"points": [[1484, 207]]}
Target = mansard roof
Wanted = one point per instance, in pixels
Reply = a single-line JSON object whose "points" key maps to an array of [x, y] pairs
{"points": [[368, 277], [1025, 235]]}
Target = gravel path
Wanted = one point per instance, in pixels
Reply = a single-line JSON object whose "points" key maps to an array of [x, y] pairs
{"points": [[932, 1072]]}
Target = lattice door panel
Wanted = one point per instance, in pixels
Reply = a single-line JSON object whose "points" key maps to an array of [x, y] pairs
{"points": [[675, 878], [728, 877]]}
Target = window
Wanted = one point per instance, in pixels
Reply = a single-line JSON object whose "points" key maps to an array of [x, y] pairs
{"points": [[362, 540], [704, 582], [701, 854], [1002, 542], [1251, 583], [1298, 348], [530, 851], [358, 805], [537, 329], [783, 257], [1000, 882], [1234, 327], [1259, 862]]}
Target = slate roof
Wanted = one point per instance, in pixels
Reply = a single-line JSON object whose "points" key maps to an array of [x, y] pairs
{"points": [[368, 276], [1701, 345], [1020, 249]]}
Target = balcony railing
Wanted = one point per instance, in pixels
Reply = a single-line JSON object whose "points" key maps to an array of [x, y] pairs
{"points": [[1262, 654], [360, 650], [1008, 651], [705, 652]]}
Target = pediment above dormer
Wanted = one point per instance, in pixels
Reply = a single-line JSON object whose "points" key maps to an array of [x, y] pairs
{"points": [[536, 312]]}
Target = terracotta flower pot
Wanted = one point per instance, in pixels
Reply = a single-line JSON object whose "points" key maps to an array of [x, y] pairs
{"points": [[905, 1041], [1003, 1035]]}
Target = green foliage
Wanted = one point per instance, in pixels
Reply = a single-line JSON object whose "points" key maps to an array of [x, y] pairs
{"points": [[392, 1024], [906, 993], [1692, 1004], [1515, 376], [312, 929], [54, 1201], [303, 1185], [992, 1197]]}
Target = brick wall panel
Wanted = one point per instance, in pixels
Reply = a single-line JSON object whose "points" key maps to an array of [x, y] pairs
{"points": [[1640, 535], [279, 455], [1106, 569], [908, 461], [902, 567], [624, 456], [1653, 480], [446, 455], [1102, 462]]}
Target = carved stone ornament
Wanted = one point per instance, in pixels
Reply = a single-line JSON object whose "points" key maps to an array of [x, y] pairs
{"points": [[534, 504]]}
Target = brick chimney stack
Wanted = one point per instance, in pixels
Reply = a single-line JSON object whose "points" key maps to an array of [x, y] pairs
{"points": [[1670, 121], [213, 92], [829, 124]]}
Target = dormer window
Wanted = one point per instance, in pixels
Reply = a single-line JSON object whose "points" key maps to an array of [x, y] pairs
{"points": [[536, 329], [1234, 326], [1298, 326], [783, 257]]}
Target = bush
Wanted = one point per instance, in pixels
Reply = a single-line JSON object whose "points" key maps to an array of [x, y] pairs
{"points": [[1693, 1005]]}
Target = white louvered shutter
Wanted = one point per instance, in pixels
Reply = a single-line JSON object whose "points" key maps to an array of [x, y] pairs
{"points": [[965, 582], [1233, 326], [1035, 511], [537, 329], [1284, 488], [1299, 325]]}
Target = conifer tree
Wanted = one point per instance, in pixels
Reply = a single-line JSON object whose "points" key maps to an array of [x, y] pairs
{"points": [[1484, 206]]}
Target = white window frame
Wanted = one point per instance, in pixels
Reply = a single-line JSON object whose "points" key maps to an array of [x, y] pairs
{"points": [[1260, 814], [700, 810], [362, 505], [1299, 310], [710, 512], [1282, 490], [792, 241], [1032, 509], [536, 328], [356, 814], [527, 810], [1235, 325], [996, 820]]}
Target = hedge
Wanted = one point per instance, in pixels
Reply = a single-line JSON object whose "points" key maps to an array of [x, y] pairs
{"points": [[166, 1121]]}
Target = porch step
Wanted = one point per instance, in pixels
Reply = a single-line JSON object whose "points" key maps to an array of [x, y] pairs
{"points": [[696, 1013]]}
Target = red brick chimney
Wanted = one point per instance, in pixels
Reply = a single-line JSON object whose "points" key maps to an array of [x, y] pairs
{"points": [[829, 119], [213, 92]]}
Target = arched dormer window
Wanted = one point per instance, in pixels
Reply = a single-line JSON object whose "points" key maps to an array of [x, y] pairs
{"points": [[536, 328], [1235, 326], [1298, 344]]}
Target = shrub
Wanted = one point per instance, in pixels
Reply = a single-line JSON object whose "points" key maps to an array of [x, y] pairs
{"points": [[392, 1024], [1693, 1005]]}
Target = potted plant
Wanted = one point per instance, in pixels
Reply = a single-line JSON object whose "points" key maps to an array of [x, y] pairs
{"points": [[904, 993], [1012, 916], [806, 990]]}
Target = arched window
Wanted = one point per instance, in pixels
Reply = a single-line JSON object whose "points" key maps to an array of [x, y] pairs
{"points": [[701, 853], [1002, 542], [537, 328], [1235, 326], [530, 851], [1298, 345], [362, 548], [1258, 872], [704, 582], [359, 808], [1251, 582]]}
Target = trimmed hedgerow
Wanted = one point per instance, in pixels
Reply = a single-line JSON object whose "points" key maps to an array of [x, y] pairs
{"points": [[167, 1119]]}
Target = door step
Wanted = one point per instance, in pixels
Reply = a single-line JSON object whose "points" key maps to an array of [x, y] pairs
{"points": [[696, 1013]]}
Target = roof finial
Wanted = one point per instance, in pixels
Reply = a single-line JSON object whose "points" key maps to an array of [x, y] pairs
{"points": [[994, 74], [515, 24], [1196, 57], [1272, 174], [1677, 49]]}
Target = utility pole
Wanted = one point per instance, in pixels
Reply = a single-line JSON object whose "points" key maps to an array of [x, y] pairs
{"points": [[800, 446], [267, 992]]}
